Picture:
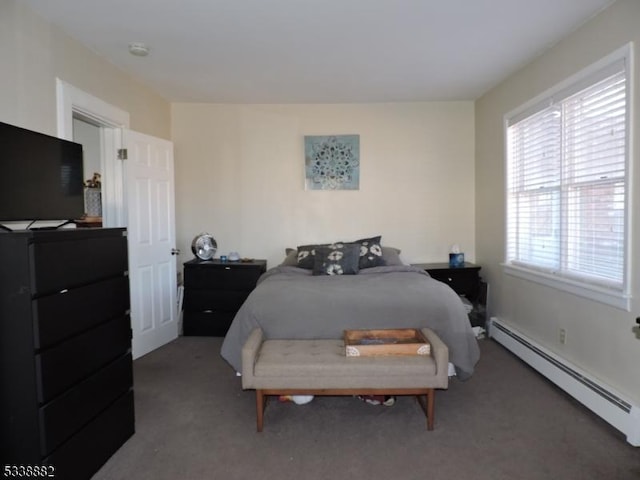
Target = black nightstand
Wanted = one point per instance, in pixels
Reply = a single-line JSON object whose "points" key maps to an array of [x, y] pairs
{"points": [[214, 291], [464, 281]]}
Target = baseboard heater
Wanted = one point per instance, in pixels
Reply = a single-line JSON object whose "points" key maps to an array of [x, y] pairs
{"points": [[598, 397]]}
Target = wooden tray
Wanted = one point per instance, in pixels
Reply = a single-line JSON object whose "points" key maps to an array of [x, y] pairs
{"points": [[398, 341]]}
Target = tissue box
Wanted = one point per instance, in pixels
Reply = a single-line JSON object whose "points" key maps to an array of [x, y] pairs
{"points": [[456, 260]]}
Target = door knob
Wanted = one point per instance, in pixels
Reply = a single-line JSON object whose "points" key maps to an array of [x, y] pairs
{"points": [[175, 251]]}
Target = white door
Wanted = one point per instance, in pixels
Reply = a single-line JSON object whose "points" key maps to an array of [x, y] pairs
{"points": [[150, 208]]}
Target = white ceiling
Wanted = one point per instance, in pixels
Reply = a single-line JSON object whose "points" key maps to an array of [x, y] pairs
{"points": [[320, 51]]}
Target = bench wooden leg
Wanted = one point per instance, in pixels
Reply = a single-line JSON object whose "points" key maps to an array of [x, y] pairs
{"points": [[428, 405], [261, 401]]}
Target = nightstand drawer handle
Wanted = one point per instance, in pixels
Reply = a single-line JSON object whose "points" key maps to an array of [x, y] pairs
{"points": [[450, 279], [227, 268]]}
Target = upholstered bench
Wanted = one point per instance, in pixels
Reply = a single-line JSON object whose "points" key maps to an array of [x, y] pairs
{"points": [[320, 367]]}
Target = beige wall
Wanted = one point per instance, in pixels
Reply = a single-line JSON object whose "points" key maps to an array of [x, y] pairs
{"points": [[33, 53], [600, 339], [240, 176]]}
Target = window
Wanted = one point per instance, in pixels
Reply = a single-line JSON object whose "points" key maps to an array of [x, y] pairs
{"points": [[567, 185]]}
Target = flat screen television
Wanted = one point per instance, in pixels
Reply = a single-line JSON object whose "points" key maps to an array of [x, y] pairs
{"points": [[41, 177]]}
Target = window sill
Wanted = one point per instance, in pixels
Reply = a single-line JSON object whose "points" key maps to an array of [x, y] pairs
{"points": [[592, 292]]}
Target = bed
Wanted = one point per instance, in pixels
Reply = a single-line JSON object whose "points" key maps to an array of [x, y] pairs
{"points": [[294, 302]]}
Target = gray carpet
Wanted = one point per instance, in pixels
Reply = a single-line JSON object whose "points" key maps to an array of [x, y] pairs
{"points": [[193, 421]]}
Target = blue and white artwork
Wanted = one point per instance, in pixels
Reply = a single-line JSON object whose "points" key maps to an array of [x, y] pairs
{"points": [[332, 162]]}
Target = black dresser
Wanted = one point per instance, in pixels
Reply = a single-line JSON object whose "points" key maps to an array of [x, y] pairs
{"points": [[214, 291], [66, 398]]}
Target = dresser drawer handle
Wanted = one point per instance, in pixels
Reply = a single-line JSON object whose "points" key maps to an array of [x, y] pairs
{"points": [[450, 279], [227, 268]]}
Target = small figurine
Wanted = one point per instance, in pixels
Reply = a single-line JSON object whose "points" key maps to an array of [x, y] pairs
{"points": [[94, 182]]}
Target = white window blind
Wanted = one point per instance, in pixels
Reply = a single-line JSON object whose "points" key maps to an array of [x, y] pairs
{"points": [[567, 182]]}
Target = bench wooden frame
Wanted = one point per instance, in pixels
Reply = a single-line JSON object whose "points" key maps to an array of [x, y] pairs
{"points": [[424, 396]]}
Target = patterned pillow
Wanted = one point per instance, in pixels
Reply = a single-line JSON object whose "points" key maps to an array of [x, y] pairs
{"points": [[370, 252], [306, 255], [337, 259]]}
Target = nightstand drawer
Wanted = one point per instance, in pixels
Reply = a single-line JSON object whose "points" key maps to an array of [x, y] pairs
{"points": [[229, 277], [464, 282], [207, 323], [222, 300]]}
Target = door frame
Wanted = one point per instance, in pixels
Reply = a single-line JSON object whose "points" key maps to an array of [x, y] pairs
{"points": [[113, 124], [73, 102]]}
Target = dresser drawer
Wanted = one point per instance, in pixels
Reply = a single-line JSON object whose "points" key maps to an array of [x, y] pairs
{"points": [[227, 277], [59, 265], [68, 413], [58, 368], [62, 315], [83, 454], [213, 323], [219, 300]]}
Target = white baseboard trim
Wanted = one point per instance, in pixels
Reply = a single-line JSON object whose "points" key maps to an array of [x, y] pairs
{"points": [[604, 401]]}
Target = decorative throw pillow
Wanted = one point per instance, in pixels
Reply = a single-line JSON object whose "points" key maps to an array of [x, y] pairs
{"points": [[391, 256], [337, 259], [306, 255], [291, 259], [370, 252]]}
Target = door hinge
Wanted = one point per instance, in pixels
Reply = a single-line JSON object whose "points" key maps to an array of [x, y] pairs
{"points": [[122, 154]]}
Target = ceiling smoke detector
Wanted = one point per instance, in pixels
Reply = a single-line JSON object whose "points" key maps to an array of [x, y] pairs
{"points": [[138, 49]]}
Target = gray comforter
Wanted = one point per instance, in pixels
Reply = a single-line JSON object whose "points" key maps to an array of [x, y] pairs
{"points": [[289, 302]]}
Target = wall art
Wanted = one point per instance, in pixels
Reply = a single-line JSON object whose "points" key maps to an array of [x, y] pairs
{"points": [[332, 162]]}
